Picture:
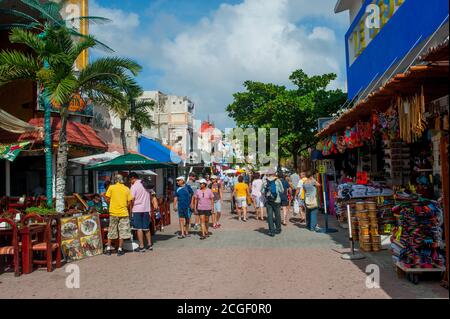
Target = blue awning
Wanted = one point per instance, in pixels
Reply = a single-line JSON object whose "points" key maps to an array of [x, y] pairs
{"points": [[155, 150]]}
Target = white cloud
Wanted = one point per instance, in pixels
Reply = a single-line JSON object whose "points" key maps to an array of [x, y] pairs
{"points": [[260, 40]]}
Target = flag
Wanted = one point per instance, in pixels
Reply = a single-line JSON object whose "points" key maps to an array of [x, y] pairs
{"points": [[10, 152]]}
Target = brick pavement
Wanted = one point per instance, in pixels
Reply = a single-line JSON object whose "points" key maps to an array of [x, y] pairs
{"points": [[237, 261]]}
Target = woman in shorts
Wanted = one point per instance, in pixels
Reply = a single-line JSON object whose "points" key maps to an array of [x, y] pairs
{"points": [[257, 196], [204, 206]]}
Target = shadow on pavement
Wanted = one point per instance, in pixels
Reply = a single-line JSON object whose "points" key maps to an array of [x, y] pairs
{"points": [[162, 237], [390, 283], [261, 230]]}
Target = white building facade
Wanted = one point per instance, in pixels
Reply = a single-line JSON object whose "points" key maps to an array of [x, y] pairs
{"points": [[173, 118]]}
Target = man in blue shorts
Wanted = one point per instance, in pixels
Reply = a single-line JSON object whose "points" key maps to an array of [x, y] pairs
{"points": [[181, 204]]}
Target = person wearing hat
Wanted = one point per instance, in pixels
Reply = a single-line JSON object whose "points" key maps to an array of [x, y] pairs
{"points": [[204, 206], [272, 191], [182, 202], [216, 188]]}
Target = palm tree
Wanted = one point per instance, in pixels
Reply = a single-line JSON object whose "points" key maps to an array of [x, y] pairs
{"points": [[130, 107], [52, 65], [48, 14]]}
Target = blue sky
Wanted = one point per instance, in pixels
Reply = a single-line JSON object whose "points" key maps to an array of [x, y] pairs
{"points": [[206, 49]]}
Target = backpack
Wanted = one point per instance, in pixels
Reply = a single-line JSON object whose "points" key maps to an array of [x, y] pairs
{"points": [[271, 191], [147, 183]]}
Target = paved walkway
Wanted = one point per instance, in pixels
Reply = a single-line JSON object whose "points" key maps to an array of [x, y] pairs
{"points": [[237, 261]]}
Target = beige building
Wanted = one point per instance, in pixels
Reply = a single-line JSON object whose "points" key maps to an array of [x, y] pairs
{"points": [[174, 120]]}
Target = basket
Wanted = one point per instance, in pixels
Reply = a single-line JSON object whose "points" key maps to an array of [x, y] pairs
{"points": [[364, 232], [362, 214], [363, 222], [360, 206], [371, 205], [376, 247], [376, 239], [365, 239], [372, 213], [365, 246]]}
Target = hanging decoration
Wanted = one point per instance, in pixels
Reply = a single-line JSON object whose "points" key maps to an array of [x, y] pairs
{"points": [[411, 116]]}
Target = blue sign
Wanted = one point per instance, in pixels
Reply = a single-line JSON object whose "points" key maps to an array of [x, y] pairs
{"points": [[404, 25]]}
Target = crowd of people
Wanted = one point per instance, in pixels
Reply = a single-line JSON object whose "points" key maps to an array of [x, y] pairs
{"points": [[274, 196], [198, 201]]}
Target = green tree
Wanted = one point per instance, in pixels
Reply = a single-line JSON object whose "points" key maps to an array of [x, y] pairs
{"points": [[52, 65], [294, 112], [38, 18], [129, 107]]}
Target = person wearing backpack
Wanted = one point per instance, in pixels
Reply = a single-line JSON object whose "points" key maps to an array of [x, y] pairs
{"points": [[273, 188], [309, 186]]}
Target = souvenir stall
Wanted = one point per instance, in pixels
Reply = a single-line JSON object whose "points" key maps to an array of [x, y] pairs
{"points": [[399, 132]]}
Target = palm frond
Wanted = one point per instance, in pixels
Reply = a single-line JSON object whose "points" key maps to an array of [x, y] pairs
{"points": [[28, 38], [16, 65], [17, 13], [91, 19], [84, 44], [46, 12], [100, 44], [19, 25], [108, 69], [64, 90]]}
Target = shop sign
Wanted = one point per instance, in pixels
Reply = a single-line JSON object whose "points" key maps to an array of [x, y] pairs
{"points": [[81, 237], [325, 166], [10, 152], [376, 15], [376, 41], [323, 122]]}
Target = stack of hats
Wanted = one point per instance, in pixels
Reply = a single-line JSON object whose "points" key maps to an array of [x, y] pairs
{"points": [[375, 238], [421, 235], [363, 226]]}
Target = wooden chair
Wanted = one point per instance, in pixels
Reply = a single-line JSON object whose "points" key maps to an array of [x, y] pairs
{"points": [[46, 244], [11, 213], [104, 227], [11, 247], [13, 202], [167, 212]]}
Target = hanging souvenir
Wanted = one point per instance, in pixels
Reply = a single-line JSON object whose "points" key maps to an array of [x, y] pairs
{"points": [[341, 146]]}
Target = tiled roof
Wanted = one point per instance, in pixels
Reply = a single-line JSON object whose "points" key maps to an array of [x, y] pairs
{"points": [[77, 134]]}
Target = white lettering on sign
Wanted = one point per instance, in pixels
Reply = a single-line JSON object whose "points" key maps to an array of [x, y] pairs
{"points": [[373, 277], [375, 17], [72, 13]]}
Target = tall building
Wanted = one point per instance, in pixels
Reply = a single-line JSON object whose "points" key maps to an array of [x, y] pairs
{"points": [[400, 29], [173, 118]]}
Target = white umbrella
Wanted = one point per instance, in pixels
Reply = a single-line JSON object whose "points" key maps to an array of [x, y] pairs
{"points": [[230, 171], [146, 173], [95, 159]]}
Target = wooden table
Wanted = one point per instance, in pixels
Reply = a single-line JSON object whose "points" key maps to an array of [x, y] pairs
{"points": [[26, 233]]}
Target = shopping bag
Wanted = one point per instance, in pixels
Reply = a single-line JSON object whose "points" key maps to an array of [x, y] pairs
{"points": [[296, 207]]}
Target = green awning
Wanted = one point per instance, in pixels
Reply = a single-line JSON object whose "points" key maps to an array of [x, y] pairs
{"points": [[11, 151], [129, 162]]}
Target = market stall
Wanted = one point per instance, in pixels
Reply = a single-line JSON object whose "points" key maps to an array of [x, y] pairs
{"points": [[388, 150]]}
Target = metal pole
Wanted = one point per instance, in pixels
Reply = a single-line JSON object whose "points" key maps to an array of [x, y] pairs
{"points": [[352, 255]]}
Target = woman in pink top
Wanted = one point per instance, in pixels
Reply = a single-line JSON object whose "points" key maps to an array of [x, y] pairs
{"points": [[204, 206]]}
